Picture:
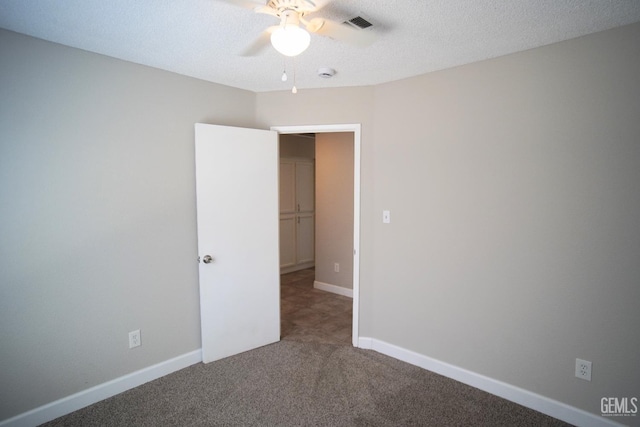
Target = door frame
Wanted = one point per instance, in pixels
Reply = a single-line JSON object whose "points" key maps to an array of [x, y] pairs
{"points": [[356, 130]]}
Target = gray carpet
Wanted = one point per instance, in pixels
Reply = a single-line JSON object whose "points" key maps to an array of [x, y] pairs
{"points": [[305, 384]]}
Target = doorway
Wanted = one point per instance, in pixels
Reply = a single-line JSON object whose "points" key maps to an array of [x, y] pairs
{"points": [[354, 130]]}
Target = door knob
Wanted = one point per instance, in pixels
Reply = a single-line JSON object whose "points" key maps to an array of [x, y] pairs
{"points": [[207, 259]]}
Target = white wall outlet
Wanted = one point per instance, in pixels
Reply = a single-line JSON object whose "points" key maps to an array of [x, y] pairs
{"points": [[583, 369], [386, 217], [134, 339], [336, 267]]}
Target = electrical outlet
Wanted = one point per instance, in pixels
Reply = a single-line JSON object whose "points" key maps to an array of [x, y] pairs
{"points": [[583, 369], [336, 267], [134, 339]]}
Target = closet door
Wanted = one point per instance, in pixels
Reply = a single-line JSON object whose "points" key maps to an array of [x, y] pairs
{"points": [[305, 238], [288, 226], [287, 186], [305, 187]]}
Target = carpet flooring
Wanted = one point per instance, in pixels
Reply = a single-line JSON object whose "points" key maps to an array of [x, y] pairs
{"points": [[305, 384], [313, 377]]}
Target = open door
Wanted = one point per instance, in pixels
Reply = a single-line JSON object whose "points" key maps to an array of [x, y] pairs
{"points": [[237, 206]]}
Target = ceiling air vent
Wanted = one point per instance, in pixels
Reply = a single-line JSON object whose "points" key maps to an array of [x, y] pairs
{"points": [[359, 22]]}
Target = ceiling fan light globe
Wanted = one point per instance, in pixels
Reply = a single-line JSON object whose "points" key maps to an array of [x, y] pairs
{"points": [[290, 40]]}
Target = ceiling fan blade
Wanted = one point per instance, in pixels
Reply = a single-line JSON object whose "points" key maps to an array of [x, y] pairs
{"points": [[252, 5], [260, 44], [342, 32], [320, 4], [266, 10], [246, 4]]}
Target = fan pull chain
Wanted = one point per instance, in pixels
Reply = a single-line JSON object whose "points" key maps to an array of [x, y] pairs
{"points": [[285, 77], [294, 90]]}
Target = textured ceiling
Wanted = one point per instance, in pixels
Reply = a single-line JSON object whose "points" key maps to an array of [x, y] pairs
{"points": [[203, 38]]}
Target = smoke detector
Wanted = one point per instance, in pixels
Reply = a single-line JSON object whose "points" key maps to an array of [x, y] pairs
{"points": [[326, 72]]}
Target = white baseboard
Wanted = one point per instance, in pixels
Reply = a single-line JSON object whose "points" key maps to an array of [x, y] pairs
{"points": [[515, 394], [366, 343], [333, 289], [100, 392], [297, 267]]}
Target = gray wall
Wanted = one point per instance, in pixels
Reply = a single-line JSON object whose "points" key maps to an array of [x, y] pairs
{"points": [[514, 245], [97, 216], [334, 208], [513, 187]]}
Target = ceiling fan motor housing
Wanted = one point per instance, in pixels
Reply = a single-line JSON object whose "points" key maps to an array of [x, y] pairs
{"points": [[299, 6]]}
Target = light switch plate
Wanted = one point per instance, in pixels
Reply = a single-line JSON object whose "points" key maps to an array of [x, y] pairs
{"points": [[386, 217]]}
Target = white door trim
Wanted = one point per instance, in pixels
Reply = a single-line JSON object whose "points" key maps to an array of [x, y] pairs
{"points": [[355, 128]]}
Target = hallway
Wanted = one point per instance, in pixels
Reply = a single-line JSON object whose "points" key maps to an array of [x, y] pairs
{"points": [[309, 314]]}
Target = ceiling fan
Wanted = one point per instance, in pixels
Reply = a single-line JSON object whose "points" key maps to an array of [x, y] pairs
{"points": [[290, 38]]}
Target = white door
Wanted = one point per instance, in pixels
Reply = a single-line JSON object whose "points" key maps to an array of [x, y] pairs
{"points": [[237, 207]]}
